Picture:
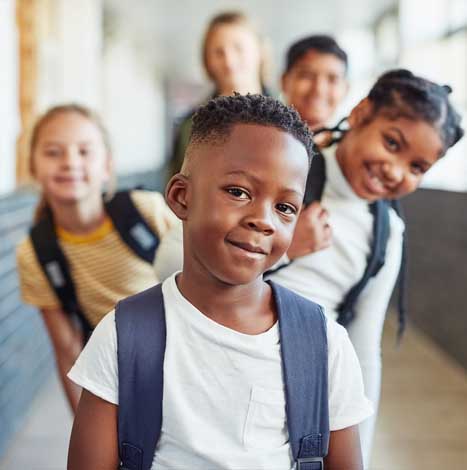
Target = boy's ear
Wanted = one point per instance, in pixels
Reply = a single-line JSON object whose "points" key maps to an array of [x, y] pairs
{"points": [[361, 113], [176, 195]]}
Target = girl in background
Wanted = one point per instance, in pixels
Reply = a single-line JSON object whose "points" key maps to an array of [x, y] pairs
{"points": [[70, 159], [401, 129], [234, 59]]}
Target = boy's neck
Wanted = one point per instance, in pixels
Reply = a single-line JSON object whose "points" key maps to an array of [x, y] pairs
{"points": [[79, 218], [248, 308]]}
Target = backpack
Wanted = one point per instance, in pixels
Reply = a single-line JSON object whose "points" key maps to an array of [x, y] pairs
{"points": [[380, 210], [141, 337], [131, 227]]}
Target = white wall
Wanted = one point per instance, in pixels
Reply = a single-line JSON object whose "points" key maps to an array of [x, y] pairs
{"points": [[70, 61], [134, 109], [9, 111], [444, 60]]}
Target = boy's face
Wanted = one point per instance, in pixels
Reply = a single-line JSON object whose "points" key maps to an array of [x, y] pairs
{"points": [[315, 86], [241, 202], [386, 158]]}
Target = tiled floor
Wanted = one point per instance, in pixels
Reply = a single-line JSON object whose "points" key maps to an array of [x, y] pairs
{"points": [[423, 416], [42, 444], [422, 423]]}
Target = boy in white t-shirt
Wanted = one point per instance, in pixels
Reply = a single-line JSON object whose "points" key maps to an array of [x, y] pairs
{"points": [[224, 395]]}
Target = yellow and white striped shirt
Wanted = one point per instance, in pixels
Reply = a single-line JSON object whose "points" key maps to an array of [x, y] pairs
{"points": [[104, 269]]}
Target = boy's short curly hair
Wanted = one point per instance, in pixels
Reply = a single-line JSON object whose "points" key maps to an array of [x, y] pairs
{"points": [[214, 120]]}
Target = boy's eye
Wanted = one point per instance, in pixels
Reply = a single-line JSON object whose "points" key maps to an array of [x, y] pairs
{"points": [[286, 209], [238, 193], [84, 151], [417, 169], [392, 144]]}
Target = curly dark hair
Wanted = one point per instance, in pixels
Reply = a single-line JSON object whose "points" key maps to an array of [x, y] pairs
{"points": [[214, 120], [401, 93]]}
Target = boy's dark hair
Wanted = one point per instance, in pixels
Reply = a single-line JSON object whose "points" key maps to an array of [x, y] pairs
{"points": [[401, 93], [215, 119], [319, 42]]}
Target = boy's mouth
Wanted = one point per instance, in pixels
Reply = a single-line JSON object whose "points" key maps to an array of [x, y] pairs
{"points": [[255, 249]]}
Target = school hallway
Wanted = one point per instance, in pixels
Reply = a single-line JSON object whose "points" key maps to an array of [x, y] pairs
{"points": [[422, 423]]}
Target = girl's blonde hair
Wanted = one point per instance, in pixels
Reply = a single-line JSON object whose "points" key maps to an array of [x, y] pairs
{"points": [[42, 207], [237, 19]]}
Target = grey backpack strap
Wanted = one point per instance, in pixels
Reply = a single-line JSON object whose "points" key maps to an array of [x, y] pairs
{"points": [[132, 227], [141, 339], [304, 350]]}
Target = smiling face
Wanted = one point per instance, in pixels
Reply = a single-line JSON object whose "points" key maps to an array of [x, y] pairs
{"points": [[70, 160], [315, 85], [386, 158], [240, 202], [233, 58]]}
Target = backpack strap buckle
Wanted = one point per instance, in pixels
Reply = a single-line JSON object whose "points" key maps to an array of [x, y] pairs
{"points": [[310, 463], [131, 458]]}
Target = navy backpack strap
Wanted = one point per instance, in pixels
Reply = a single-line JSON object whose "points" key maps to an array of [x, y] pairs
{"points": [[304, 350], [56, 269], [402, 278], [131, 226], [315, 180], [141, 339], [380, 212]]}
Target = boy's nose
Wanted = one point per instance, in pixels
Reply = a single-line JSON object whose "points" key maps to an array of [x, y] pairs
{"points": [[261, 221]]}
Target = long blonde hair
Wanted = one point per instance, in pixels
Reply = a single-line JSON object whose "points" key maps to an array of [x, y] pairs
{"points": [[42, 207], [235, 18]]}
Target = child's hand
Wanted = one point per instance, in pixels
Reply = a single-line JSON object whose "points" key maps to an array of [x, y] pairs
{"points": [[312, 232], [323, 139]]}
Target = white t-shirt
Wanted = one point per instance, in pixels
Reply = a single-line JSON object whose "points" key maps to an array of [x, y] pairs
{"points": [[223, 404], [327, 276]]}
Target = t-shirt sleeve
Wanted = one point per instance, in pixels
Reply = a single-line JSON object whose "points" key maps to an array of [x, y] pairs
{"points": [[34, 285], [96, 368], [155, 210], [348, 404]]}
